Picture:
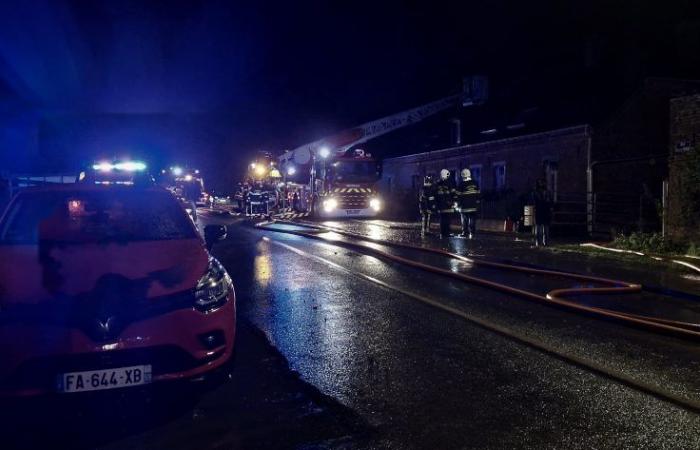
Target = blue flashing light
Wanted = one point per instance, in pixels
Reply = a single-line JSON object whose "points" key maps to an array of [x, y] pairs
{"points": [[131, 166], [103, 167], [126, 166]]}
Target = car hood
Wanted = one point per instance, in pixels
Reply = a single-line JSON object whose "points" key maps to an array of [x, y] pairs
{"points": [[36, 273]]}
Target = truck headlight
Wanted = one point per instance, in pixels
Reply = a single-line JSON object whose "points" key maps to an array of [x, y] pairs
{"points": [[330, 204], [375, 204], [213, 288]]}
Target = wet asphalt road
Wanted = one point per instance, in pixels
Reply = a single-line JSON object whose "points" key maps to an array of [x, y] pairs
{"points": [[329, 360]]}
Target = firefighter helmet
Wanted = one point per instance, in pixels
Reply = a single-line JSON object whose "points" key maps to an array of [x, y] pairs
{"points": [[466, 174], [444, 174]]}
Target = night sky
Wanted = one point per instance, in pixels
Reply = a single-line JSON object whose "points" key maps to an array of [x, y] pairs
{"points": [[273, 75]]}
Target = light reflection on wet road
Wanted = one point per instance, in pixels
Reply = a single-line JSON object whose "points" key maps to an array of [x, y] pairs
{"points": [[423, 376]]}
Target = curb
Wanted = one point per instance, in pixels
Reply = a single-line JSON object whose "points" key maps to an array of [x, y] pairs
{"points": [[655, 257]]}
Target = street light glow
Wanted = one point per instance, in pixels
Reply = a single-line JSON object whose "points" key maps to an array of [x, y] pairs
{"points": [[291, 171], [177, 171]]}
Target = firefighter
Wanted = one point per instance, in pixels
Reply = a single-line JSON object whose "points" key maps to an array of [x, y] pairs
{"points": [[467, 203], [192, 192], [247, 202], [296, 202], [426, 204], [445, 198], [541, 197]]}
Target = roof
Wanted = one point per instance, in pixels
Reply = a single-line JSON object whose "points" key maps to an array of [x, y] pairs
{"points": [[583, 130], [517, 114]]}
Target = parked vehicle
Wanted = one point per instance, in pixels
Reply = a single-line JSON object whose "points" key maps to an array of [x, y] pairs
{"points": [[105, 287]]}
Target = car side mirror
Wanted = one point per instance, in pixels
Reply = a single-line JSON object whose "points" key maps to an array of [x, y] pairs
{"points": [[214, 234]]}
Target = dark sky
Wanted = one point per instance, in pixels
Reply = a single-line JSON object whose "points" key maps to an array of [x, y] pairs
{"points": [[282, 73]]}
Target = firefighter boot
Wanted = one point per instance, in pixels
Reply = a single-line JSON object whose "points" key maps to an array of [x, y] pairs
{"points": [[444, 225]]}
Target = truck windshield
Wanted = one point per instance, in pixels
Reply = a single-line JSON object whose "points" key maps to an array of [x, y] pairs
{"points": [[81, 217], [355, 171]]}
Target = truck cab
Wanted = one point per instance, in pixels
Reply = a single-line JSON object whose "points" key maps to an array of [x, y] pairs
{"points": [[349, 186]]}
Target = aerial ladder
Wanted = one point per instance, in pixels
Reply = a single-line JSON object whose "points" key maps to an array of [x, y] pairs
{"points": [[341, 178]]}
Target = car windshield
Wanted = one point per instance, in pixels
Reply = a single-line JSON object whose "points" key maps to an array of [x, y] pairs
{"points": [[355, 171], [80, 217]]}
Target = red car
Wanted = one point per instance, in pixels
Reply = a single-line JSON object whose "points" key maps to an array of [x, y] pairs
{"points": [[106, 287]]}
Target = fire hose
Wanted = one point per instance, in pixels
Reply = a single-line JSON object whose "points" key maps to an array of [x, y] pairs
{"points": [[558, 297]]}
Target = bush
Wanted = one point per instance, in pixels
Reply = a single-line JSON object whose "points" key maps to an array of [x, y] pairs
{"points": [[649, 243]]}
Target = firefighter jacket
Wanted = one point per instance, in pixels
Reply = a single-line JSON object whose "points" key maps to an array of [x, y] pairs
{"points": [[468, 196], [445, 196], [426, 199]]}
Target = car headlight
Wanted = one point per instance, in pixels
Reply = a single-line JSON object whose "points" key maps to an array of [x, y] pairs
{"points": [[330, 204], [213, 288], [375, 204]]}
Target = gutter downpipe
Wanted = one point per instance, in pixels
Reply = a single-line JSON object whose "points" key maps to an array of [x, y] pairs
{"points": [[589, 185]]}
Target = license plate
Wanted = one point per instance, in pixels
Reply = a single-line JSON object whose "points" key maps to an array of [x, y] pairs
{"points": [[352, 212], [97, 380]]}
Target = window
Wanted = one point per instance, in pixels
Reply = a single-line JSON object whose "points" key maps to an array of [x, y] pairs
{"points": [[551, 172], [87, 217], [499, 176], [476, 174], [354, 171], [416, 182]]}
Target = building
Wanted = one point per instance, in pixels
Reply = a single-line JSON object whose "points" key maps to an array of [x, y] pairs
{"points": [[629, 157], [683, 192], [506, 171], [606, 170]]}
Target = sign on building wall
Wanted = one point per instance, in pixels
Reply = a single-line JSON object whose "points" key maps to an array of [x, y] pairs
{"points": [[683, 146]]}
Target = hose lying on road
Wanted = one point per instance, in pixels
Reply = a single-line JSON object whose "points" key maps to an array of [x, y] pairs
{"points": [[555, 298], [582, 362]]}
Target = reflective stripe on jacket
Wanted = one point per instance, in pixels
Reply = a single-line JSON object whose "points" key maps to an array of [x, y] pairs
{"points": [[426, 199], [468, 196], [445, 197]]}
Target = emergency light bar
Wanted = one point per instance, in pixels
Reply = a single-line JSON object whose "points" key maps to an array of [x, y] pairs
{"points": [[126, 166]]}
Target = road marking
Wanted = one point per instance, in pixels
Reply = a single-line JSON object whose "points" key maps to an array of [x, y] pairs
{"points": [[583, 363], [291, 215]]}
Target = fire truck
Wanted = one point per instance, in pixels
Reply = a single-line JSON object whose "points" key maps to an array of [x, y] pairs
{"points": [[335, 178], [346, 187]]}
